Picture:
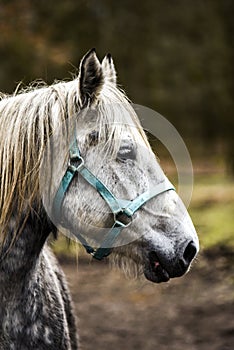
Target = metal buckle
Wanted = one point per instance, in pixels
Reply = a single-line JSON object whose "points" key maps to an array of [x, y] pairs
{"points": [[75, 163], [122, 218]]}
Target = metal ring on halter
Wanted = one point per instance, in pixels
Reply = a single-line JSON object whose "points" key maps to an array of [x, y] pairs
{"points": [[75, 164], [122, 215]]}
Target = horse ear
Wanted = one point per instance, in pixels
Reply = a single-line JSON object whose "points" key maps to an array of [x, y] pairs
{"points": [[109, 69], [91, 78]]}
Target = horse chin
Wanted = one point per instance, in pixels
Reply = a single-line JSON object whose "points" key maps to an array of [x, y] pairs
{"points": [[156, 275], [154, 271]]}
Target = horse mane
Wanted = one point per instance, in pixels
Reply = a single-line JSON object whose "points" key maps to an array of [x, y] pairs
{"points": [[26, 123]]}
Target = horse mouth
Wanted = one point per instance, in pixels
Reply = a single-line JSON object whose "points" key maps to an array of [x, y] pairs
{"points": [[154, 271]]}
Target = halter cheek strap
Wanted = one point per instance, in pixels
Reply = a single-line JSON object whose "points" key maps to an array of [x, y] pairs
{"points": [[122, 210]]}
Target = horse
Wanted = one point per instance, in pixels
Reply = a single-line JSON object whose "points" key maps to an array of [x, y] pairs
{"points": [[99, 180]]}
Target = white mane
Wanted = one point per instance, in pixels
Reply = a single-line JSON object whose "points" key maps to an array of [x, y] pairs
{"points": [[29, 118]]}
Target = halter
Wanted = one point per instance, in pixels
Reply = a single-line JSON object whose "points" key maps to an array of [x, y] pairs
{"points": [[122, 210]]}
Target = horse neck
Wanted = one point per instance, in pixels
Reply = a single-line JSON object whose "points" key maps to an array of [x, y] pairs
{"points": [[19, 256]]}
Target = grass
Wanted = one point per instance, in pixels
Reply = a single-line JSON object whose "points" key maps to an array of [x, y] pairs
{"points": [[212, 210], [64, 247]]}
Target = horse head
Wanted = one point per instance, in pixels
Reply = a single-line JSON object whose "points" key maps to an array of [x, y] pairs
{"points": [[105, 184]]}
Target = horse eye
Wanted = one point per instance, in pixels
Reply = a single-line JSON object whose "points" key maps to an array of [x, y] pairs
{"points": [[93, 138], [126, 152]]}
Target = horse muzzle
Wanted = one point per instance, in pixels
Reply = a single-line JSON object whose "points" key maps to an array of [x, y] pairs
{"points": [[159, 268]]}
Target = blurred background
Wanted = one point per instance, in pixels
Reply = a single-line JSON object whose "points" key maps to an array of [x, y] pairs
{"points": [[175, 57]]}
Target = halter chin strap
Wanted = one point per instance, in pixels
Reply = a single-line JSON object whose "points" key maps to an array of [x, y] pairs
{"points": [[123, 210]]}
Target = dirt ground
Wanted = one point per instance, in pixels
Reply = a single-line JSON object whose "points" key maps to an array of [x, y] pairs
{"points": [[193, 312]]}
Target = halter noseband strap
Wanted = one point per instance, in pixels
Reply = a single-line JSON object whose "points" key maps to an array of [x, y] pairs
{"points": [[122, 210]]}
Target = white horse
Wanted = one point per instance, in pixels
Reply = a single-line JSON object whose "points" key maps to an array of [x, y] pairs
{"points": [[74, 155]]}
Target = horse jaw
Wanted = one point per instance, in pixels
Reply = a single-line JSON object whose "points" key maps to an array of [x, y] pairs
{"points": [[165, 250]]}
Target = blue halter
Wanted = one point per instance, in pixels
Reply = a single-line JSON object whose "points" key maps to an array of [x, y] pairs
{"points": [[122, 210]]}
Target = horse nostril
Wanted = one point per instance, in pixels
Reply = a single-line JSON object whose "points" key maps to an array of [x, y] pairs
{"points": [[189, 253]]}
